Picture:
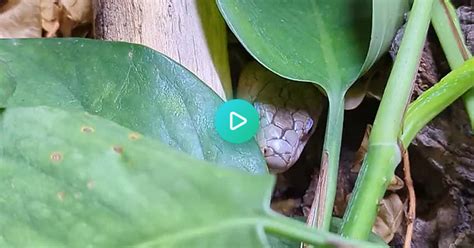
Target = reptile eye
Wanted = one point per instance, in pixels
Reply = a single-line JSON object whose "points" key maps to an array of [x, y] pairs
{"points": [[266, 151]]}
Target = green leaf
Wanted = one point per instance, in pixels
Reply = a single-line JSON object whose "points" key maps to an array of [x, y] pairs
{"points": [[437, 98], [448, 29], [326, 42], [130, 84], [77, 180], [323, 42]]}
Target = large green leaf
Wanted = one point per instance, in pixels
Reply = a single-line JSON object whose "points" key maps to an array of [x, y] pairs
{"points": [[76, 180], [326, 42], [129, 84]]}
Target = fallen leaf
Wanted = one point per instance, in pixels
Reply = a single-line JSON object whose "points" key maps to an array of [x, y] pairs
{"points": [[389, 217], [396, 183], [64, 16], [74, 13], [79, 11], [50, 11], [20, 19], [356, 94]]}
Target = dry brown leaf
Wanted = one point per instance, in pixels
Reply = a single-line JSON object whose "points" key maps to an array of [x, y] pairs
{"points": [[20, 19], [396, 183], [79, 11], [64, 15], [389, 217], [50, 12], [75, 13], [356, 94]]}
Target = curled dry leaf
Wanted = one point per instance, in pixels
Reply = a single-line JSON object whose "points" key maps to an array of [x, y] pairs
{"points": [[389, 217], [396, 183], [79, 11], [75, 13], [20, 19], [50, 12], [371, 84], [64, 15], [356, 94]]}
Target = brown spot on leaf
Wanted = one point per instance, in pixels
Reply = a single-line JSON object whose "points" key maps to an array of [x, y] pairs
{"points": [[118, 149], [134, 136], [56, 156], [61, 195], [86, 129]]}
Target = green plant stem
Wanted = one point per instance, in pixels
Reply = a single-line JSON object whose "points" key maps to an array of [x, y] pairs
{"points": [[468, 98], [434, 100], [383, 150], [321, 208], [447, 27], [295, 230]]}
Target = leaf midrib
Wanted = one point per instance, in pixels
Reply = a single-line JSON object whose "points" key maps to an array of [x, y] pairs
{"points": [[189, 233], [327, 49]]}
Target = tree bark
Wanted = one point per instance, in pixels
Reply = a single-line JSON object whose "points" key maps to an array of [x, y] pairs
{"points": [[191, 32]]}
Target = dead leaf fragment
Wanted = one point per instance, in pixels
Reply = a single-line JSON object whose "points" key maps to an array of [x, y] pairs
{"points": [[79, 11], [20, 19], [389, 217], [75, 13], [50, 11], [64, 15], [396, 183], [286, 207], [356, 94]]}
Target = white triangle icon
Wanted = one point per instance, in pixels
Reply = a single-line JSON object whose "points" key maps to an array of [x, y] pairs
{"points": [[242, 120]]}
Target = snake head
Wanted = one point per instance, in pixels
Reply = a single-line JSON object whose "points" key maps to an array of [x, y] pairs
{"points": [[282, 135], [288, 111]]}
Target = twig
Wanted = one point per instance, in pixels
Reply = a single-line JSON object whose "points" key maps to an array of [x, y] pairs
{"points": [[411, 199]]}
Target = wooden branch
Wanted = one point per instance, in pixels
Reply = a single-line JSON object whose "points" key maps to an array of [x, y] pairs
{"points": [[191, 32]]}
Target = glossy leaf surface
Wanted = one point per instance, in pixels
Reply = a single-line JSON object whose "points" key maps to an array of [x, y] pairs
{"points": [[130, 84], [77, 180]]}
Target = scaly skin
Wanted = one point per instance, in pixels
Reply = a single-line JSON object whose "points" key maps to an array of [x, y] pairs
{"points": [[289, 112]]}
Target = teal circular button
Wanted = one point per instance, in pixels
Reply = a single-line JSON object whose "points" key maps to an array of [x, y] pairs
{"points": [[236, 121]]}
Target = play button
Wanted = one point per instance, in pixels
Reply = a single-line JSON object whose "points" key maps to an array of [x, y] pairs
{"points": [[236, 118], [236, 121]]}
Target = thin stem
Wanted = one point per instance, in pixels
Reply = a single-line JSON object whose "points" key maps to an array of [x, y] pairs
{"points": [[295, 230], [383, 152], [434, 100], [321, 208], [446, 25], [411, 199]]}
